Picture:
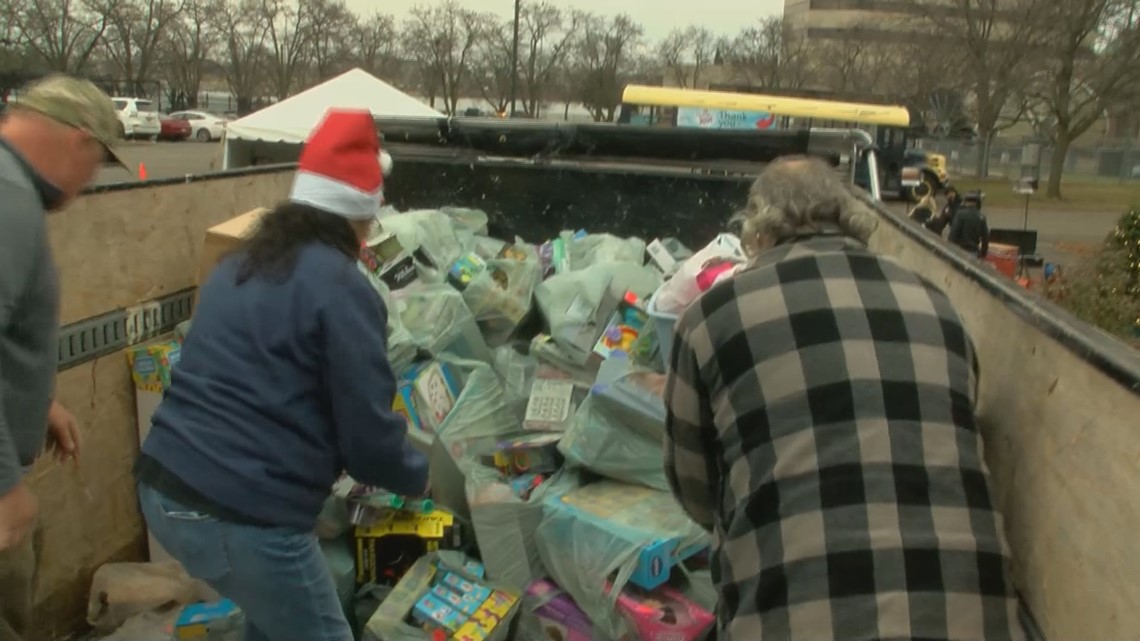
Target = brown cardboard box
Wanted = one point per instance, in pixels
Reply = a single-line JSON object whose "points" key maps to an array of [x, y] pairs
{"points": [[222, 238]]}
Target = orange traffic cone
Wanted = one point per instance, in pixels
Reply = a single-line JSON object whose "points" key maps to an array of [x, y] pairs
{"points": [[142, 171]]}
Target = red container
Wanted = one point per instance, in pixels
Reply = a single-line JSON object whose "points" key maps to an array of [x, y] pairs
{"points": [[1003, 258]]}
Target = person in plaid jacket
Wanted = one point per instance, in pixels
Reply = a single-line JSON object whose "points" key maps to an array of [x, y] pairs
{"points": [[821, 427]]}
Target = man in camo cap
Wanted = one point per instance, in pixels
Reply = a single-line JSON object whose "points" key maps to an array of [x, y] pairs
{"points": [[53, 139]]}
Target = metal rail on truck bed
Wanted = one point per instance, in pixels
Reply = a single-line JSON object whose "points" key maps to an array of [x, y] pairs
{"points": [[608, 147]]}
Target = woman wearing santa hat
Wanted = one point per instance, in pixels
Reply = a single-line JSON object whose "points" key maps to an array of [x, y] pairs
{"points": [[283, 384]]}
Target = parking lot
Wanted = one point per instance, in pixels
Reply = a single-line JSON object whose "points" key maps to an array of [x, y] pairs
{"points": [[1061, 234], [164, 160]]}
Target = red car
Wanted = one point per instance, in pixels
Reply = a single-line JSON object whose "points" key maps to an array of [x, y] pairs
{"points": [[173, 129]]}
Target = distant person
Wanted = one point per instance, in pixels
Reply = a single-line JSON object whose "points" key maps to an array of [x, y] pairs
{"points": [[924, 210], [820, 422], [283, 384], [939, 223], [53, 139], [970, 231]]}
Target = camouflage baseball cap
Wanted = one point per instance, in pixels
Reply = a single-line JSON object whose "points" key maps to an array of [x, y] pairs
{"points": [[77, 103]]}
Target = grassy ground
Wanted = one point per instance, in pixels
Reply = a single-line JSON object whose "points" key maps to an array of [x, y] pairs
{"points": [[1080, 194]]}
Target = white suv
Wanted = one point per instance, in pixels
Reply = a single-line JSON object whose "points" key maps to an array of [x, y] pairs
{"points": [[137, 118]]}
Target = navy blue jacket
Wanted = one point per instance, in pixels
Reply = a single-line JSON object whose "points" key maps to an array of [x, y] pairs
{"points": [[282, 386]]}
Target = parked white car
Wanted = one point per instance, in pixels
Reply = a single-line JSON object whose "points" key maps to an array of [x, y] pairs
{"points": [[204, 125], [137, 118]]}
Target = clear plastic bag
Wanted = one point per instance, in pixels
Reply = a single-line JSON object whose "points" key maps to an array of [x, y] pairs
{"points": [[502, 296], [596, 249], [569, 302], [120, 591], [600, 441], [581, 557], [682, 288], [479, 419], [435, 234], [439, 321], [505, 524], [401, 348], [516, 367]]}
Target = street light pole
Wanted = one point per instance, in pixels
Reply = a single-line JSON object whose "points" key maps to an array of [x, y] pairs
{"points": [[515, 59]]}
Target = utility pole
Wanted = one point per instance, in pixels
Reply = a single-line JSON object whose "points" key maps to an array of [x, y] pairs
{"points": [[515, 59]]}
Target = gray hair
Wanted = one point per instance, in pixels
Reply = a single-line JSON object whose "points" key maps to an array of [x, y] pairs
{"points": [[800, 195]]}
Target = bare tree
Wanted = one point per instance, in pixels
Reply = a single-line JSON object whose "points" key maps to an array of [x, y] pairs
{"points": [[134, 35], [63, 34], [991, 42], [546, 34], [687, 52], [185, 49], [844, 61], [242, 30], [773, 55], [1091, 64], [287, 38], [376, 44], [604, 50], [442, 39], [332, 27], [493, 70]]}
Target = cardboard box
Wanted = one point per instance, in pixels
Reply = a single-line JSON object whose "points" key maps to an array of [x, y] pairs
{"points": [[224, 238], [491, 621]]}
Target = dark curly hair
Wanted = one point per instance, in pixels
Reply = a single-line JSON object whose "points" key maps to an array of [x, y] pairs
{"points": [[271, 251]]}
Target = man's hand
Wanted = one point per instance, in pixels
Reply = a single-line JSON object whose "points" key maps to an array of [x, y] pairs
{"points": [[17, 516], [63, 433]]}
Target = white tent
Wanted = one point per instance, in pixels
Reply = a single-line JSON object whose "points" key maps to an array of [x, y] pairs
{"points": [[274, 134]]}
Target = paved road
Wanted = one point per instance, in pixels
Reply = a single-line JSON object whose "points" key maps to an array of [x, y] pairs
{"points": [[1073, 230], [164, 160]]}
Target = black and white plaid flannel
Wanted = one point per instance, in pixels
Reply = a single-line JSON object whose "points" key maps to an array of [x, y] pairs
{"points": [[821, 426]]}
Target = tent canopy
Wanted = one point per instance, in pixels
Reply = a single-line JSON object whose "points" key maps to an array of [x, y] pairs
{"points": [[292, 119]]}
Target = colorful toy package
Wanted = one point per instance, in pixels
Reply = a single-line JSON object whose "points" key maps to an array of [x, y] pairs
{"points": [[386, 548], [152, 363], [426, 395], [665, 614], [536, 454], [557, 616], [439, 599]]}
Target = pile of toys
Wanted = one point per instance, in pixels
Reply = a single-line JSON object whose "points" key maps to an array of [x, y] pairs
{"points": [[532, 376]]}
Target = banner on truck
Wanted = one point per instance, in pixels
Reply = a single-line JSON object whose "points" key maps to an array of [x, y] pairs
{"points": [[724, 119]]}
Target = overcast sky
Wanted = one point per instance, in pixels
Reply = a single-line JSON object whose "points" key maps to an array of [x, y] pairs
{"points": [[658, 17]]}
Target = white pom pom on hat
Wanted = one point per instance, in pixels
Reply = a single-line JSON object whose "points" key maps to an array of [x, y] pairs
{"points": [[342, 167]]}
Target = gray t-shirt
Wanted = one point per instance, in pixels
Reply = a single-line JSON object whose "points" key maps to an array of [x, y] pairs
{"points": [[29, 319]]}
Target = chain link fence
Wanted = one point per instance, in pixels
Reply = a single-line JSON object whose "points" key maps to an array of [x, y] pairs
{"points": [[1113, 161]]}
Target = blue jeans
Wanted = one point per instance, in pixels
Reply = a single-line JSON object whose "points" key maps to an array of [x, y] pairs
{"points": [[277, 576]]}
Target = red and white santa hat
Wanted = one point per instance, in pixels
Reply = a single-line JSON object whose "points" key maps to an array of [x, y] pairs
{"points": [[342, 167]]}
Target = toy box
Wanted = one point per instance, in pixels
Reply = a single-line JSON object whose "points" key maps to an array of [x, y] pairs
{"points": [[614, 515], [434, 612], [663, 614], [623, 327], [386, 548], [208, 620], [426, 395], [537, 454], [397, 618], [551, 402], [666, 255], [558, 617], [151, 364], [464, 270], [455, 600]]}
